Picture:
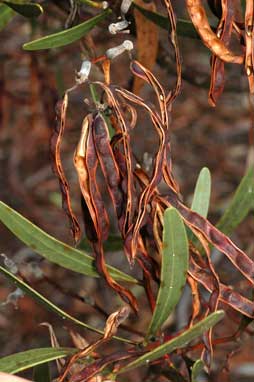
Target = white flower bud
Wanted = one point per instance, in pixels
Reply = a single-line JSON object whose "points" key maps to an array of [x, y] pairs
{"points": [[84, 72], [125, 6], [114, 28], [112, 53], [105, 5]]}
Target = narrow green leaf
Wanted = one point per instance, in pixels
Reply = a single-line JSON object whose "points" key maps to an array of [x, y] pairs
{"points": [[53, 249], [196, 370], [184, 27], [175, 260], [43, 300], [41, 373], [240, 205], [176, 343], [67, 36], [17, 362], [49, 305], [25, 8], [201, 198], [6, 14]]}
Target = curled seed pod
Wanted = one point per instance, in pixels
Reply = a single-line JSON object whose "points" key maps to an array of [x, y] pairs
{"points": [[84, 72], [55, 144], [224, 31], [125, 6], [199, 19], [115, 28], [112, 53], [249, 38]]}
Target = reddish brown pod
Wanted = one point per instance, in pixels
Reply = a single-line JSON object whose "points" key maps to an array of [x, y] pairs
{"points": [[214, 44], [249, 41]]}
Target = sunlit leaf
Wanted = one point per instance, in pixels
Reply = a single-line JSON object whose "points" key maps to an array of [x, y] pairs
{"points": [[175, 260], [67, 36], [25, 8], [184, 27], [196, 370], [240, 205], [201, 198], [51, 248], [25, 360], [41, 373], [176, 343], [6, 14]]}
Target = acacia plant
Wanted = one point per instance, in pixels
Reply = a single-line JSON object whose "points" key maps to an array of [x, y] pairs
{"points": [[168, 241]]}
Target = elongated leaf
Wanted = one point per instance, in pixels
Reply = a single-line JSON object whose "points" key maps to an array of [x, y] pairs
{"points": [[175, 260], [25, 360], [25, 8], [43, 300], [41, 373], [6, 14], [201, 198], [48, 304], [176, 343], [240, 205], [184, 27], [67, 36], [51, 248], [196, 370]]}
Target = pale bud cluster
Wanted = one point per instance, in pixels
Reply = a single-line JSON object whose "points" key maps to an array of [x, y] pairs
{"points": [[114, 28]]}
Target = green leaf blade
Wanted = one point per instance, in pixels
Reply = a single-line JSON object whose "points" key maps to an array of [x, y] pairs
{"points": [[184, 27], [43, 300], [49, 305], [67, 36], [15, 363], [53, 249], [240, 205], [196, 370], [202, 193], [25, 8], [6, 14], [178, 342], [175, 261]]}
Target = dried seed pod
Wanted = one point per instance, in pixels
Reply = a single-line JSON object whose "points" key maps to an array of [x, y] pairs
{"points": [[112, 53], [227, 294], [55, 143], [237, 257], [199, 19], [86, 162], [249, 40], [174, 41], [224, 31], [107, 161]]}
